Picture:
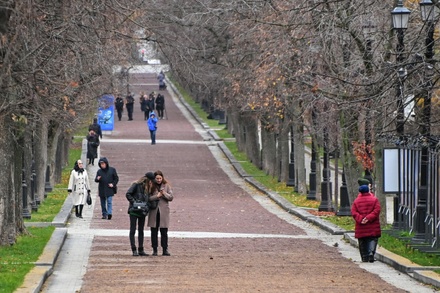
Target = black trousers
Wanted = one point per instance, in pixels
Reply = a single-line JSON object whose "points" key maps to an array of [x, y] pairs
{"points": [[119, 114], [159, 112], [129, 111], [140, 221], [163, 234]]}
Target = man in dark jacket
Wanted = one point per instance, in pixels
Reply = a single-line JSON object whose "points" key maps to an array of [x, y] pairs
{"points": [[107, 179], [129, 104], [96, 127]]}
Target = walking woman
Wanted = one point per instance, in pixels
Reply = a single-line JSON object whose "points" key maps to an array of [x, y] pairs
{"points": [[365, 212], [139, 191], [79, 187], [159, 218]]}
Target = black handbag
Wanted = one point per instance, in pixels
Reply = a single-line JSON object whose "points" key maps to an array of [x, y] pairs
{"points": [[139, 208], [89, 198]]}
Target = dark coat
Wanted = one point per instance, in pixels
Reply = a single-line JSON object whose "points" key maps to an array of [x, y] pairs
{"points": [[119, 103], [108, 175], [150, 104], [144, 105], [92, 146], [136, 192], [160, 102], [366, 205], [96, 128]]}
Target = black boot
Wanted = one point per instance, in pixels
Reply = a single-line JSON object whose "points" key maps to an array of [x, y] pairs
{"points": [[134, 250], [165, 252], [76, 211], [142, 252], [154, 251], [80, 214], [109, 216]]}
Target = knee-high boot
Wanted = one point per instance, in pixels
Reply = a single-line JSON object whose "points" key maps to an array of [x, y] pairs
{"points": [[76, 212], [81, 206]]}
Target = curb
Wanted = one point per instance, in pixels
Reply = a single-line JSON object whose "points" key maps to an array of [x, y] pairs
{"points": [[35, 279]]}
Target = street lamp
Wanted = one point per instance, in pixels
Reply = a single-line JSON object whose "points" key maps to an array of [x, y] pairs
{"points": [[326, 185], [400, 16], [291, 180], [429, 14], [312, 176], [368, 29]]}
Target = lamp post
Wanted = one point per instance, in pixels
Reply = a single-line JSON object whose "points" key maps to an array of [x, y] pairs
{"points": [[326, 185], [400, 16], [368, 29], [291, 180], [429, 13], [312, 176]]}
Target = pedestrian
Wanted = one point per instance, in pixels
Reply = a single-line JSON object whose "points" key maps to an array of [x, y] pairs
{"points": [[107, 179], [139, 191], [129, 104], [79, 187], [96, 127], [152, 126], [366, 181], [119, 104], [92, 146], [144, 106], [141, 99], [160, 105], [159, 218], [161, 79], [365, 211], [150, 102]]}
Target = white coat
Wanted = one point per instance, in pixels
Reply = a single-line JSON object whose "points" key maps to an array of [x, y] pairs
{"points": [[78, 186]]}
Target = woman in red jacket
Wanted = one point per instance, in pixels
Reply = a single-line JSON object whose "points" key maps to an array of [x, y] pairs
{"points": [[365, 212]]}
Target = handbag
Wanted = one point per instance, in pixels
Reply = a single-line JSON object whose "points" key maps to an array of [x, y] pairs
{"points": [[89, 199], [139, 208]]}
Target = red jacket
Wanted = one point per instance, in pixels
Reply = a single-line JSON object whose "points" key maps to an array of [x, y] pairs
{"points": [[366, 205]]}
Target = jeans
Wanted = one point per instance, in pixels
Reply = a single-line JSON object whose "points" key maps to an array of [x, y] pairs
{"points": [[153, 136], [367, 247], [106, 205]]}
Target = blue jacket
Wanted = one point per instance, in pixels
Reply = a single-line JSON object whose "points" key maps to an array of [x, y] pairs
{"points": [[151, 122]]}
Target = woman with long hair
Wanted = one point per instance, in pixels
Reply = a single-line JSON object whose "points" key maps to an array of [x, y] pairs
{"points": [[139, 191], [159, 218]]}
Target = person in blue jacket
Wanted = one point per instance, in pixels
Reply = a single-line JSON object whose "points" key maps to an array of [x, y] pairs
{"points": [[152, 126]]}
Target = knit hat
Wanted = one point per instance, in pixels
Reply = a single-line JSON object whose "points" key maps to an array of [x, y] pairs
{"points": [[363, 181], [364, 189], [150, 175]]}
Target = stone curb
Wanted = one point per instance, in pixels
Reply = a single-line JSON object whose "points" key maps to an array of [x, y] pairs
{"points": [[35, 279]]}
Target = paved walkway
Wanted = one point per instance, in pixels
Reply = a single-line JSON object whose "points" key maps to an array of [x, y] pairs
{"points": [[215, 213]]}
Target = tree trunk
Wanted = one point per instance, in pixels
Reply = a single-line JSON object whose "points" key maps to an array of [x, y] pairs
{"points": [[11, 222], [40, 143]]}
